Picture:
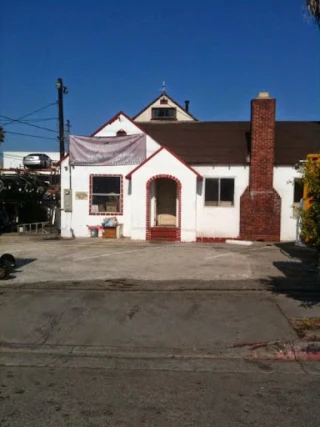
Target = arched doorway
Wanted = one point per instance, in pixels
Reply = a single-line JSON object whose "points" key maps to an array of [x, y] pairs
{"points": [[163, 213]]}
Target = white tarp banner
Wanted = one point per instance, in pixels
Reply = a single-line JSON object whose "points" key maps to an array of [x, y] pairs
{"points": [[107, 151]]}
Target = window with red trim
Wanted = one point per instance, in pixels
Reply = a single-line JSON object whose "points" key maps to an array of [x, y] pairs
{"points": [[106, 194]]}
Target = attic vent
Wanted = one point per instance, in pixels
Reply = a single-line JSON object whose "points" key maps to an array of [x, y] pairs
{"points": [[121, 132], [163, 101]]}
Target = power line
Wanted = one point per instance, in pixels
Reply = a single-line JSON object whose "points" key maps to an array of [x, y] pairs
{"points": [[41, 120], [32, 112], [29, 124], [34, 136], [34, 120]]}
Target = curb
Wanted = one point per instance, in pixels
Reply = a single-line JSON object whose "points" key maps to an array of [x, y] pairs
{"points": [[291, 351], [283, 350]]}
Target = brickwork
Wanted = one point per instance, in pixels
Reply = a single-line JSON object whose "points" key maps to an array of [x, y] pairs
{"points": [[150, 232], [215, 239], [260, 216], [165, 233], [260, 204]]}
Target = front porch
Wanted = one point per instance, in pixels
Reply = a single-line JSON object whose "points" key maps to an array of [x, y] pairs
{"points": [[167, 209], [169, 234], [163, 208]]}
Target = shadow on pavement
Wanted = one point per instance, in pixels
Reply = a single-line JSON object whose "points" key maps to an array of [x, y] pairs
{"points": [[300, 278], [20, 262]]}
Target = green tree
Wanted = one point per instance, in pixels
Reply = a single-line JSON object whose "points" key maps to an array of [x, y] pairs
{"points": [[310, 216], [313, 7]]}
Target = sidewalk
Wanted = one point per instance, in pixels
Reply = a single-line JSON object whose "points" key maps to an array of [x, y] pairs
{"points": [[123, 322]]}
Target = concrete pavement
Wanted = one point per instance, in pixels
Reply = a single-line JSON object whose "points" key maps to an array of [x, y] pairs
{"points": [[100, 259], [163, 320], [124, 322], [191, 298]]}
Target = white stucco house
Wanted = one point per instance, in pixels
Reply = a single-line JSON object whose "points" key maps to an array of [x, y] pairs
{"points": [[165, 175]]}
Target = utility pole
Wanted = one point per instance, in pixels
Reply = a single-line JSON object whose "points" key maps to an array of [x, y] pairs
{"points": [[62, 90]]}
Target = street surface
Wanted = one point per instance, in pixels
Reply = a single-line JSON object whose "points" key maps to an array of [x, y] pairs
{"points": [[97, 397]]}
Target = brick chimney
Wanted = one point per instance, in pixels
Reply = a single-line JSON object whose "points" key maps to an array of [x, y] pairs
{"points": [[260, 204]]}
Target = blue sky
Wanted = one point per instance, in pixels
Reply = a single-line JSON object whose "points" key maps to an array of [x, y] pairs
{"points": [[114, 56]]}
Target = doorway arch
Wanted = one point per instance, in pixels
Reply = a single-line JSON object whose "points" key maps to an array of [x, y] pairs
{"points": [[162, 231]]}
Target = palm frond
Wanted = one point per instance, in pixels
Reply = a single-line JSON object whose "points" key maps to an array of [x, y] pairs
{"points": [[313, 7], [1, 134]]}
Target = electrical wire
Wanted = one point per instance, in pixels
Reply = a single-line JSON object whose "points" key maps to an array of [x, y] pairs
{"points": [[32, 112], [30, 124], [33, 120], [34, 136], [41, 120]]}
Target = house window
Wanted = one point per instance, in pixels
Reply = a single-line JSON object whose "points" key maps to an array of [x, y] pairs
{"points": [[163, 113], [121, 132], [219, 192], [106, 194], [298, 191]]}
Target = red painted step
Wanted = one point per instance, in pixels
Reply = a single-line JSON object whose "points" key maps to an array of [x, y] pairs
{"points": [[164, 233]]}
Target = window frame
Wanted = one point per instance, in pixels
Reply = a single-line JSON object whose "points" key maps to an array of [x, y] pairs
{"points": [[91, 194], [219, 178], [164, 118]]}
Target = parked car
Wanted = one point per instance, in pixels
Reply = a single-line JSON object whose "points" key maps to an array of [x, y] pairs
{"points": [[37, 160]]}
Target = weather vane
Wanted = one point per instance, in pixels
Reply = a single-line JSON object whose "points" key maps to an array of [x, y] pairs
{"points": [[163, 87]]}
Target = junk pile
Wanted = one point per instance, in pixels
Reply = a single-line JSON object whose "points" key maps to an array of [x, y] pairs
{"points": [[7, 265], [111, 222], [109, 227], [21, 186]]}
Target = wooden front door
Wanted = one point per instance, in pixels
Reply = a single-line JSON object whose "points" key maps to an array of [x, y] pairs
{"points": [[166, 202]]}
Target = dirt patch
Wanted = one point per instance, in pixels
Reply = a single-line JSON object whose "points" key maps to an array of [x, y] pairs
{"points": [[307, 328]]}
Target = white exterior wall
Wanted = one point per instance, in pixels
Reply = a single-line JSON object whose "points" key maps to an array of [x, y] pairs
{"points": [[134, 197], [197, 220], [146, 116], [76, 222], [164, 163], [80, 218], [218, 221], [14, 159], [283, 178], [122, 122]]}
